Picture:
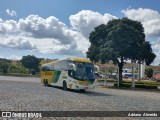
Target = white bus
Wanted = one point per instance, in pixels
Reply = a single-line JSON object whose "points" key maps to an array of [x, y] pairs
{"points": [[70, 73]]}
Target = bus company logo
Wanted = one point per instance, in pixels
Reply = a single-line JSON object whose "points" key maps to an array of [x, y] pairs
{"points": [[48, 73], [6, 114]]}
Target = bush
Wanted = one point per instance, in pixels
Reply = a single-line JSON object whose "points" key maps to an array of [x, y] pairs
{"points": [[4, 67], [123, 85], [146, 86], [126, 85], [33, 72], [5, 71], [142, 82], [149, 72]]}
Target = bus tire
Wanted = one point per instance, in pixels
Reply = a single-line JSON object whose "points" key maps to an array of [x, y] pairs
{"points": [[46, 83], [65, 86], [82, 90]]}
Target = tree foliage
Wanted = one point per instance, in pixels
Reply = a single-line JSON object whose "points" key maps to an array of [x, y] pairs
{"points": [[9, 66], [120, 40], [4, 65], [149, 72], [31, 62], [17, 68], [111, 70]]}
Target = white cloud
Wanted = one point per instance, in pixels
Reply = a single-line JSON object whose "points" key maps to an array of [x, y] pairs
{"points": [[50, 27], [1, 20], [86, 20], [2, 57], [157, 60], [44, 35], [15, 57], [8, 26], [11, 12], [149, 18], [71, 50], [156, 49], [35, 33], [17, 42]]}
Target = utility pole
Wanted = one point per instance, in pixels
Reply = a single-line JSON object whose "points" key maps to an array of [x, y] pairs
{"points": [[133, 82], [118, 76]]}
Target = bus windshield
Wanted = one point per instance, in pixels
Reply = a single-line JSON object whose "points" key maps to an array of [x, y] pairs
{"points": [[84, 71]]}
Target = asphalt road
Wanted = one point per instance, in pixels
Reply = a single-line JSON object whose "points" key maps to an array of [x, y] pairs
{"points": [[20, 79], [27, 94]]}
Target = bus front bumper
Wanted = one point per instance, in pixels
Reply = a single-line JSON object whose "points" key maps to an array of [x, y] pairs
{"points": [[81, 87]]}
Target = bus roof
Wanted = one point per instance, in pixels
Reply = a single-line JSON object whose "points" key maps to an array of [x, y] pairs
{"points": [[79, 60], [71, 58], [50, 63]]}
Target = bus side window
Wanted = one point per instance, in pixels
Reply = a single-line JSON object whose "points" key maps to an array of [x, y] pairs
{"points": [[52, 67], [46, 68], [64, 65]]}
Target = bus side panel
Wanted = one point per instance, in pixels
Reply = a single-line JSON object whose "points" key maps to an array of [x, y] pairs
{"points": [[47, 75], [56, 76], [59, 77]]}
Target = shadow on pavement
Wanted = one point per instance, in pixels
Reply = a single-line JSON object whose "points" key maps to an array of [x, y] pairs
{"points": [[88, 93]]}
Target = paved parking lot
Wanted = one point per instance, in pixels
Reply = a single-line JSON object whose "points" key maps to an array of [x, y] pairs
{"points": [[16, 94]]}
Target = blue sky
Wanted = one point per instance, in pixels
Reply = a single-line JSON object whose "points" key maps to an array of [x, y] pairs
{"points": [[60, 28], [62, 9]]}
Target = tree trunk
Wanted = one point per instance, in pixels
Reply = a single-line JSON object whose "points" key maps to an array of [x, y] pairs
{"points": [[120, 66]]}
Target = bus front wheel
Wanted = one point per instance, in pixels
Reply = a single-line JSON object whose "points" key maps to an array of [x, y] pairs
{"points": [[64, 85], [82, 90]]}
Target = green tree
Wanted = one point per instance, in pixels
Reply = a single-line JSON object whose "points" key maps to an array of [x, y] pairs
{"points": [[17, 68], [111, 70], [4, 67], [149, 72], [33, 72], [31, 62], [120, 40]]}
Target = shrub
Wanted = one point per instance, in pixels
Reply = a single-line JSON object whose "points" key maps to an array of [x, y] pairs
{"points": [[33, 72], [149, 72], [124, 85], [5, 70], [146, 86], [138, 86]]}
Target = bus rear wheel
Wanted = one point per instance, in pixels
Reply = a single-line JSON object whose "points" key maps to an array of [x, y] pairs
{"points": [[46, 83], [65, 86]]}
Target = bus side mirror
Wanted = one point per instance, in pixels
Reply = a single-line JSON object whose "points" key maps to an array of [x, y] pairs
{"points": [[72, 67]]}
